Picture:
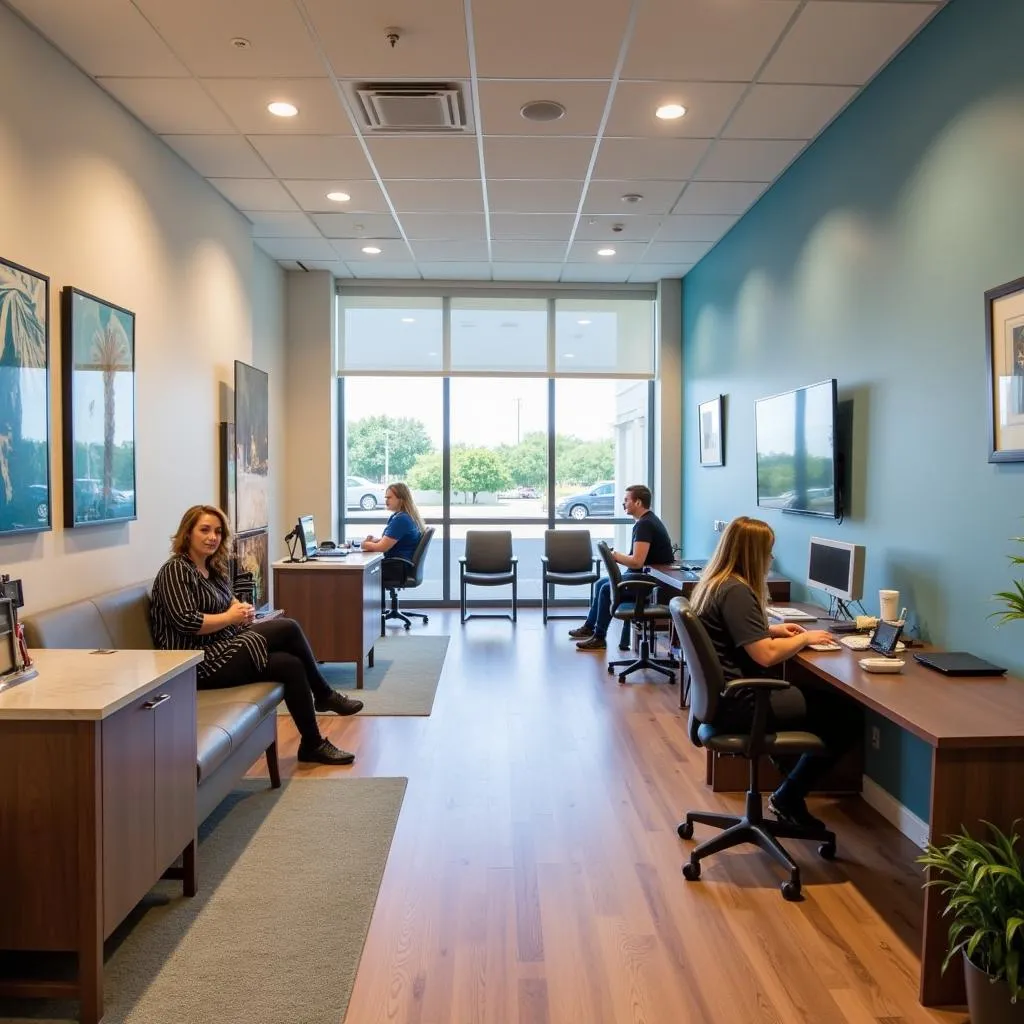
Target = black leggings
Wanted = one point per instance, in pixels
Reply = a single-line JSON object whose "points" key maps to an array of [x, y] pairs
{"points": [[291, 664]]}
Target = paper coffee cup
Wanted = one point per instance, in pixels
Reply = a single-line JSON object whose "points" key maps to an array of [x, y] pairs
{"points": [[888, 605]]}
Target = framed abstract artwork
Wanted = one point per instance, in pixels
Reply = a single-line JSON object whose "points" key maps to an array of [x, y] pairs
{"points": [[252, 554], [25, 503], [98, 353], [252, 447], [1004, 353], [712, 447]]}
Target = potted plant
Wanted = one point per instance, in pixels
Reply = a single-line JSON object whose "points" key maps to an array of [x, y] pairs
{"points": [[1011, 600], [984, 883]]}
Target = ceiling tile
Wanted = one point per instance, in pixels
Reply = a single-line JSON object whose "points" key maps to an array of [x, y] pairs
{"points": [[435, 196], [656, 159], [443, 226], [281, 225], [539, 39], [245, 101], [648, 273], [452, 156], [601, 273], [526, 271], [788, 111], [336, 267], [103, 37], [528, 252], [708, 105], [373, 270], [719, 196], [676, 252], [264, 194], [710, 40], [636, 228], [459, 251], [356, 225], [606, 197], [168, 106], [501, 102], [695, 227], [738, 160], [297, 248], [537, 196], [626, 253], [201, 34], [432, 44], [312, 156], [218, 156], [393, 250], [447, 271], [311, 195], [538, 226], [844, 43], [508, 157]]}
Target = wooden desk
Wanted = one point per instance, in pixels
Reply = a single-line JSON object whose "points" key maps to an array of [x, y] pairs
{"points": [[337, 601], [97, 800], [682, 581]]}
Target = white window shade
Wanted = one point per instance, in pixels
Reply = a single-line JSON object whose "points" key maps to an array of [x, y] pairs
{"points": [[388, 333], [499, 335], [604, 336]]}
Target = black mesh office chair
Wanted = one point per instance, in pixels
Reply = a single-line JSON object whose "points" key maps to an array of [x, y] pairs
{"points": [[488, 562], [568, 562], [403, 574], [633, 603], [707, 684]]}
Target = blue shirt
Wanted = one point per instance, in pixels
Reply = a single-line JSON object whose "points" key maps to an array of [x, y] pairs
{"points": [[402, 529]]}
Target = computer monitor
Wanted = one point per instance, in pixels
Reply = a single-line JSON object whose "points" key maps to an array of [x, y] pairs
{"points": [[837, 568], [306, 532]]}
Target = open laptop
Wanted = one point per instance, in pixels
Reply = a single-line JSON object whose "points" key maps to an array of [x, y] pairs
{"points": [[308, 542], [959, 663]]}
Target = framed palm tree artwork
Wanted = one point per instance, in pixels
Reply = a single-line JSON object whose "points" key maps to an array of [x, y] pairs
{"points": [[98, 351], [24, 399]]}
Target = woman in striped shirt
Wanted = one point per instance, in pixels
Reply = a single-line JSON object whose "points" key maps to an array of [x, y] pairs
{"points": [[194, 609]]}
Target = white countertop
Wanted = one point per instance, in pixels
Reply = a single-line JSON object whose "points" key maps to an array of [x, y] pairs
{"points": [[353, 561], [78, 684]]}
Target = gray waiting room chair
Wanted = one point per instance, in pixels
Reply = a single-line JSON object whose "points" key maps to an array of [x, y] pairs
{"points": [[568, 562], [488, 562]]}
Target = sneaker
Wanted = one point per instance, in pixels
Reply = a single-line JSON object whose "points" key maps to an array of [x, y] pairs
{"points": [[793, 811], [325, 753], [581, 633], [595, 643], [338, 703]]}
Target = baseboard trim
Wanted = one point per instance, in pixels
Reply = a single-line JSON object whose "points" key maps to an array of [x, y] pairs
{"points": [[895, 813]]}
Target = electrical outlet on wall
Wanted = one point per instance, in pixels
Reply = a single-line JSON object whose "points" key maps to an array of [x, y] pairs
{"points": [[719, 525], [876, 738]]}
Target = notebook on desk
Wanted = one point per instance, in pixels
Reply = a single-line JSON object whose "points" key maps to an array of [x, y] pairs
{"points": [[959, 663]]}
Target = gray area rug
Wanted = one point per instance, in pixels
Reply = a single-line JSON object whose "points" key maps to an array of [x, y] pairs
{"points": [[403, 680], [288, 881]]}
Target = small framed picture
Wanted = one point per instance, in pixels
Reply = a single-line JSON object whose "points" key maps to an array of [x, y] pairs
{"points": [[1004, 352], [712, 444]]}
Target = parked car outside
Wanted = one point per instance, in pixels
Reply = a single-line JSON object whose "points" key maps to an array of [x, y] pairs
{"points": [[598, 501], [361, 493], [527, 492]]}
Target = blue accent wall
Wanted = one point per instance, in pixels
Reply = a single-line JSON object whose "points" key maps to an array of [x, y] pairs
{"points": [[867, 261]]}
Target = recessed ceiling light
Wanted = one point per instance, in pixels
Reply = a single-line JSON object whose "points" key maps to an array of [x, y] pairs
{"points": [[282, 109], [371, 250], [583, 323], [405, 319], [338, 197], [605, 252], [542, 110], [670, 111]]}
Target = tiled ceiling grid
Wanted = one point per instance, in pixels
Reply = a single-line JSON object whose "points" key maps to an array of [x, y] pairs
{"points": [[515, 200]]}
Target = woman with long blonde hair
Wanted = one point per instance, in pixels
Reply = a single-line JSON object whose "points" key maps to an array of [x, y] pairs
{"points": [[404, 527], [194, 609], [731, 601]]}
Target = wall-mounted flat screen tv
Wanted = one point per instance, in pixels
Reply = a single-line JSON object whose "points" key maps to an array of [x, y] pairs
{"points": [[797, 461]]}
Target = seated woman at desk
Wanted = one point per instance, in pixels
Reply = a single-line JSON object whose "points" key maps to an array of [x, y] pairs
{"points": [[193, 609], [731, 599], [404, 527]]}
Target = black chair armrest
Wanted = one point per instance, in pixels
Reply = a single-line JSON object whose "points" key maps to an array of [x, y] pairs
{"points": [[762, 690], [736, 685]]}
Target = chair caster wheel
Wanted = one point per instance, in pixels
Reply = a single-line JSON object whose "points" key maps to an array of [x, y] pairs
{"points": [[425, 620], [685, 830], [622, 680], [691, 870], [791, 891], [827, 851], [611, 671], [407, 627]]}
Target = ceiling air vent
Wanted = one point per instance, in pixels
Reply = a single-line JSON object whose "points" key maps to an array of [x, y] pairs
{"points": [[413, 107]]}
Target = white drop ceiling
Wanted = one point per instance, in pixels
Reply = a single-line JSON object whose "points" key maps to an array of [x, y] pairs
{"points": [[514, 200]]}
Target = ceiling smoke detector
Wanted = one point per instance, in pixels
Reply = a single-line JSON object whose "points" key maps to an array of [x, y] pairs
{"points": [[542, 111], [632, 197], [240, 44]]}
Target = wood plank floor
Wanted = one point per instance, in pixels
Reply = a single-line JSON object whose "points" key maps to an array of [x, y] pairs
{"points": [[535, 873]]}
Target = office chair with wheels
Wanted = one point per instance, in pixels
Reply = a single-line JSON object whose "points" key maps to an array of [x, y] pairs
{"points": [[568, 562], [403, 574], [488, 562], [633, 603], [707, 685]]}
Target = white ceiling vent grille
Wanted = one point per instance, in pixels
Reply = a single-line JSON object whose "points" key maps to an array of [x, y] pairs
{"points": [[413, 107]]}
